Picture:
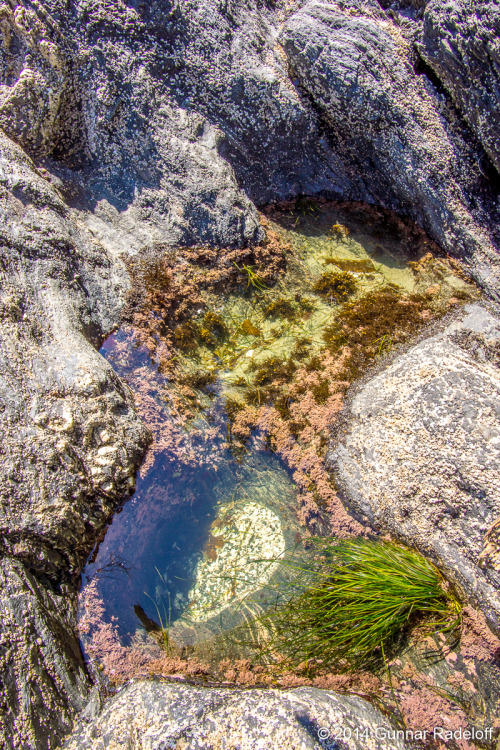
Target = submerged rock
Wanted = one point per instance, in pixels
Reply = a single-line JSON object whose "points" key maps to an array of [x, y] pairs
{"points": [[237, 562], [421, 455], [164, 715]]}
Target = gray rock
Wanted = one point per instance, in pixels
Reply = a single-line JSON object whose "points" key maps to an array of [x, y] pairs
{"points": [[421, 455], [389, 126], [461, 43], [70, 443], [187, 110], [38, 103], [44, 681], [165, 716]]}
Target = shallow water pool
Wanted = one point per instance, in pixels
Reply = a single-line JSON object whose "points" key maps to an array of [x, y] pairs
{"points": [[240, 394]]}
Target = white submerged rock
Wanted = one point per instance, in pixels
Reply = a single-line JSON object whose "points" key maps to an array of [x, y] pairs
{"points": [[240, 558]]}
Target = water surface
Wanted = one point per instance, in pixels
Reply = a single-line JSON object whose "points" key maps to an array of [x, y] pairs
{"points": [[197, 550]]}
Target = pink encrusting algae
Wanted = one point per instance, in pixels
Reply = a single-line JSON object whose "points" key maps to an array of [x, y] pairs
{"points": [[210, 363]]}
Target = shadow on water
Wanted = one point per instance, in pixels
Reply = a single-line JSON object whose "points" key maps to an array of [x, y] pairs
{"points": [[151, 549]]}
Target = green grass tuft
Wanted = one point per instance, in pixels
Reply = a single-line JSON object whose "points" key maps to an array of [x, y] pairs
{"points": [[361, 596]]}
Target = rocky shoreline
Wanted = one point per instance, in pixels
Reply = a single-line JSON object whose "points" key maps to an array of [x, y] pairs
{"points": [[126, 125]]}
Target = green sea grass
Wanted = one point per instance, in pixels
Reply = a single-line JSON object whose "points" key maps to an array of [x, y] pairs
{"points": [[357, 598]]}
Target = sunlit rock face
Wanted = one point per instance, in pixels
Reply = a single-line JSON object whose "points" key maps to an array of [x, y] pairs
{"points": [[162, 713], [421, 455], [460, 44], [392, 125], [181, 117]]}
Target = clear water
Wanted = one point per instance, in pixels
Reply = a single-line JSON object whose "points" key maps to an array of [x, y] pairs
{"points": [[196, 549]]}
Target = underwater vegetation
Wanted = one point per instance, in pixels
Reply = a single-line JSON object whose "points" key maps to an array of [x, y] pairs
{"points": [[254, 278], [302, 348], [337, 286], [214, 543], [352, 264], [231, 355], [273, 368], [305, 206], [268, 339], [200, 379], [249, 329], [212, 329], [373, 324], [186, 336], [339, 230], [281, 308], [360, 597], [157, 276], [281, 330]]}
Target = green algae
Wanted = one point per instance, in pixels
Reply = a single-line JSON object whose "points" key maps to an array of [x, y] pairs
{"points": [[254, 278]]}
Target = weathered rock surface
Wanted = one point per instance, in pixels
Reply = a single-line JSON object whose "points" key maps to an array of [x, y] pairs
{"points": [[461, 43], [38, 103], [69, 448], [71, 441], [164, 715], [44, 679], [421, 456], [186, 111], [390, 128]]}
